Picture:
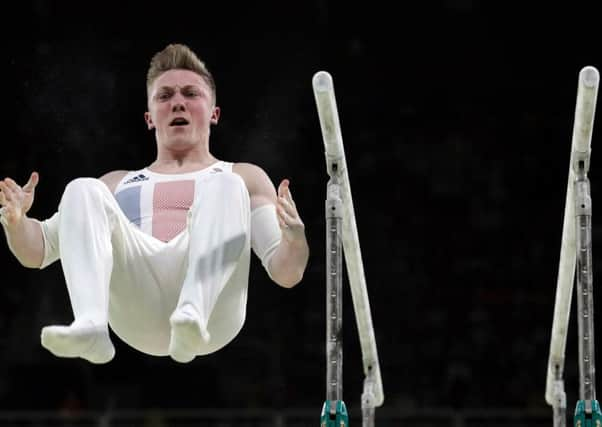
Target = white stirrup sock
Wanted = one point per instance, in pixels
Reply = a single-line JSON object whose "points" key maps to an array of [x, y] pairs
{"points": [[187, 335], [87, 259], [81, 339]]}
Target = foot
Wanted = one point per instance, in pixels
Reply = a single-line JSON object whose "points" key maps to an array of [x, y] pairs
{"points": [[186, 335], [81, 339]]}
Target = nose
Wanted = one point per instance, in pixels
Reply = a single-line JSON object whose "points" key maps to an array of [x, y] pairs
{"points": [[177, 107], [178, 103]]}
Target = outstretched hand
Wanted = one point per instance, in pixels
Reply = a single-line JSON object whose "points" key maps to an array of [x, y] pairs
{"points": [[290, 222], [15, 201]]}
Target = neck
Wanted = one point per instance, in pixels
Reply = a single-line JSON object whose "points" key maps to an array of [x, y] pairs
{"points": [[181, 161]]}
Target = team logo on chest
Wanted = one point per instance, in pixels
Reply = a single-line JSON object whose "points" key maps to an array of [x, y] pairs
{"points": [[138, 178]]}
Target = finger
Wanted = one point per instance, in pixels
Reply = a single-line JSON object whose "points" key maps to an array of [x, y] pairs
{"points": [[289, 195], [3, 218], [8, 193], [33, 181], [290, 224], [12, 184], [282, 187], [288, 219], [282, 223], [287, 206]]}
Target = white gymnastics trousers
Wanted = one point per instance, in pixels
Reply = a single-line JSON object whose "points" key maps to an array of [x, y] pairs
{"points": [[183, 298]]}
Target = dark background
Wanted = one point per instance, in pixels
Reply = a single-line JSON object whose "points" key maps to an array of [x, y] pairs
{"points": [[457, 120]]}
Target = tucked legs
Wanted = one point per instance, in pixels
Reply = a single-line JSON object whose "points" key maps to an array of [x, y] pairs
{"points": [[218, 225], [85, 226]]}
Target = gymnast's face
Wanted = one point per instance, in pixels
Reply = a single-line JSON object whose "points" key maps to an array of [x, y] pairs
{"points": [[181, 109]]}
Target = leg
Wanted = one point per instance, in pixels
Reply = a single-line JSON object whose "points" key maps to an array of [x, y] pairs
{"points": [[218, 226], [86, 215]]}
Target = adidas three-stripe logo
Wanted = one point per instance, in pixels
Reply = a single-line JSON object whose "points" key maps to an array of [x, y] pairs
{"points": [[136, 178]]}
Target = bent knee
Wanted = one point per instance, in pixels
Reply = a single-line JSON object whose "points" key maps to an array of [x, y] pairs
{"points": [[86, 185], [85, 189]]}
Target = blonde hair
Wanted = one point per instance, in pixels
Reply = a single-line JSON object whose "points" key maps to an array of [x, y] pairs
{"points": [[178, 56]]}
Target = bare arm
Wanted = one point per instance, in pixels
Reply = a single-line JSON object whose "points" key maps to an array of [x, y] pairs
{"points": [[289, 261], [23, 234]]}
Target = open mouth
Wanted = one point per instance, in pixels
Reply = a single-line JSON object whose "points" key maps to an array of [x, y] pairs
{"points": [[178, 121]]}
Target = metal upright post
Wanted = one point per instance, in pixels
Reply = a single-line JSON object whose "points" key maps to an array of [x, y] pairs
{"points": [[334, 412], [587, 412]]}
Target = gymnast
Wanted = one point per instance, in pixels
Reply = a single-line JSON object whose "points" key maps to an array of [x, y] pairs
{"points": [[161, 254]]}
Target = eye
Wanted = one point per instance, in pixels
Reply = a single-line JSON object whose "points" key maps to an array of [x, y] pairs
{"points": [[191, 93], [163, 96]]}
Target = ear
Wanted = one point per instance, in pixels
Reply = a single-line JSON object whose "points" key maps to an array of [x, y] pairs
{"points": [[149, 121], [214, 116]]}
